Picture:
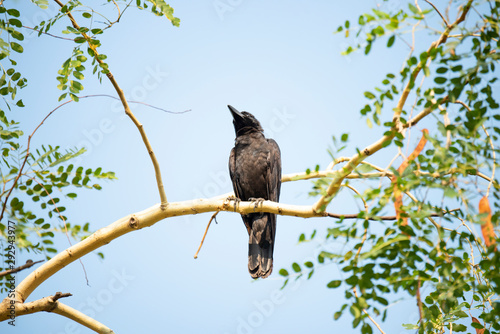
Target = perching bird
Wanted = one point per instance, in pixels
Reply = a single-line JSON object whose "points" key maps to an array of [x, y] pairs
{"points": [[255, 170]]}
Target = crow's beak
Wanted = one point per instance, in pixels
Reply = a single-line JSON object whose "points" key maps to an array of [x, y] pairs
{"points": [[236, 114]]}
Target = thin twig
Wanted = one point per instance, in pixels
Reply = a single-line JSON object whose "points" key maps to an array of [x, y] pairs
{"points": [[128, 112], [138, 102], [356, 215], [365, 234], [494, 161], [28, 264], [118, 8], [419, 302], [437, 10], [205, 234], [45, 118], [60, 295], [46, 33], [491, 144], [27, 155], [425, 112], [368, 315]]}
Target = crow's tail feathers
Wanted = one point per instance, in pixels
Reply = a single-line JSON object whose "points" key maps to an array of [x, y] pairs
{"points": [[261, 245]]}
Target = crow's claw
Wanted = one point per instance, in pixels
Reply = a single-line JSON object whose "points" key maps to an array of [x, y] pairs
{"points": [[235, 199], [257, 201]]}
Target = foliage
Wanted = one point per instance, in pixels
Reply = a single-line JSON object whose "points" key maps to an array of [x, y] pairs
{"points": [[441, 263], [37, 182]]}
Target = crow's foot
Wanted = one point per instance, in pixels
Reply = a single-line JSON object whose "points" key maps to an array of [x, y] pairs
{"points": [[235, 199], [257, 201]]}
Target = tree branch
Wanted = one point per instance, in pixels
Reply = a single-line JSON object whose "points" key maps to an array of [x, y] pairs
{"points": [[81, 318], [334, 186], [437, 10], [425, 112], [159, 181], [26, 157], [28, 264], [43, 121], [148, 218], [368, 315], [46, 33], [51, 304], [46, 304], [205, 234]]}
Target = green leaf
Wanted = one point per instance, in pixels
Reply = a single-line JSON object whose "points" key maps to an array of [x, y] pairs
{"points": [[283, 272], [80, 40], [17, 35], [377, 248], [369, 123], [369, 95], [296, 267], [16, 47], [13, 12], [334, 284], [458, 327], [391, 40], [78, 75], [410, 327], [16, 23], [67, 156], [414, 9], [442, 70], [62, 97], [74, 97], [440, 80]]}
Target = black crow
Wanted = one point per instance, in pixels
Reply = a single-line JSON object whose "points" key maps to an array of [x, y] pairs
{"points": [[255, 170]]}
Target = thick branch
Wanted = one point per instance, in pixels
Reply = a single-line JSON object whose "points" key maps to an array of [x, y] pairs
{"points": [[156, 165], [81, 318], [50, 304], [425, 112], [341, 174], [46, 304], [148, 218], [442, 39]]}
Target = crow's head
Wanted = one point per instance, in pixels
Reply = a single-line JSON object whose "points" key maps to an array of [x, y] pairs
{"points": [[244, 122]]}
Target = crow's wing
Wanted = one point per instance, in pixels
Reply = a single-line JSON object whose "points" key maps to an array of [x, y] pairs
{"points": [[232, 173], [273, 171], [238, 191]]}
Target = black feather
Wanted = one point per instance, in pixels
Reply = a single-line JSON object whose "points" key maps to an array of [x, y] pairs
{"points": [[255, 170]]}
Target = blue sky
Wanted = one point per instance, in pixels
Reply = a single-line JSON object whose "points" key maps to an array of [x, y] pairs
{"points": [[279, 61]]}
